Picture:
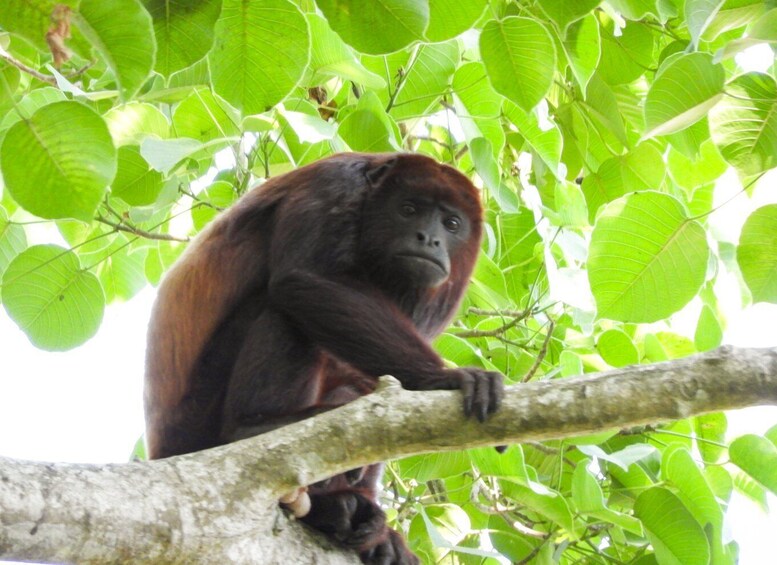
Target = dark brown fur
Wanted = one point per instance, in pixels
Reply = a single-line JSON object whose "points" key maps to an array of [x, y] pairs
{"points": [[289, 303]]}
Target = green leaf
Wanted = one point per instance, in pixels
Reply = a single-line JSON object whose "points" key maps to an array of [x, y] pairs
{"points": [[58, 163], [488, 170], [47, 294], [131, 123], [685, 89], [698, 15], [625, 55], [136, 183], [709, 334], [426, 80], [369, 128], [330, 56], [757, 253], [744, 123], [624, 458], [520, 59], [757, 457], [712, 428], [122, 33], [383, 27], [122, 274], [204, 116], [31, 102], [546, 142], [617, 349], [589, 499], [564, 12], [449, 18], [647, 259], [582, 46], [259, 54], [640, 169], [221, 195], [677, 538], [13, 240], [164, 154], [183, 30], [682, 471], [693, 173], [762, 31], [478, 105]]}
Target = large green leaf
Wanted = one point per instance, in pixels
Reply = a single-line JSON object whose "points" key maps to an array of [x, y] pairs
{"points": [[757, 456], [626, 53], [699, 14], [184, 31], [520, 59], [564, 12], [131, 123], [677, 538], [744, 123], [449, 18], [58, 163], [330, 56], [640, 169], [121, 31], [647, 258], [582, 46], [685, 89], [757, 253], [136, 182], [51, 298], [427, 80], [617, 349], [377, 27], [260, 52], [203, 116]]}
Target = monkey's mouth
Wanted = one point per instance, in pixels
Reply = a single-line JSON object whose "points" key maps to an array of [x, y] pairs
{"points": [[424, 259]]}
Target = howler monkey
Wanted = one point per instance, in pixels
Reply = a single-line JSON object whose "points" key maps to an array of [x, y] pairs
{"points": [[298, 297]]}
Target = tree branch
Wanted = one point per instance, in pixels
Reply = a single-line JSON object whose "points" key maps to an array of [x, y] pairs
{"points": [[220, 505]]}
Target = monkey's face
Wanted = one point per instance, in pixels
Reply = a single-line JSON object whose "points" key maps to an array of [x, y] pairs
{"points": [[415, 238]]}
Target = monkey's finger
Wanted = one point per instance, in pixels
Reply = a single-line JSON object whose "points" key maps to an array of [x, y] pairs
{"points": [[483, 393], [468, 390], [497, 391]]}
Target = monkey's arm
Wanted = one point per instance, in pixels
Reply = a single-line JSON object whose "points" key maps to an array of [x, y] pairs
{"points": [[360, 326]]}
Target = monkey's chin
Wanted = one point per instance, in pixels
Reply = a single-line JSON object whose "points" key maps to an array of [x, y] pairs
{"points": [[425, 272]]}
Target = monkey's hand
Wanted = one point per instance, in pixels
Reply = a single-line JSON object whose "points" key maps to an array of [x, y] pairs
{"points": [[482, 390], [349, 517]]}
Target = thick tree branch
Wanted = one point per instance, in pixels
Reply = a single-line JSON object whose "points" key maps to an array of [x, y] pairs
{"points": [[220, 505]]}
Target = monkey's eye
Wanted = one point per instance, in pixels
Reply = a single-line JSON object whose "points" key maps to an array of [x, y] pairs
{"points": [[452, 224], [407, 209]]}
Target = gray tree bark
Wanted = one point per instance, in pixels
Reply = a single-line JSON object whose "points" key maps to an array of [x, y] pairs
{"points": [[220, 506]]}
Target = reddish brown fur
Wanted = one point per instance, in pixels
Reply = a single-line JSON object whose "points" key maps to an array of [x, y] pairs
{"points": [[290, 303]]}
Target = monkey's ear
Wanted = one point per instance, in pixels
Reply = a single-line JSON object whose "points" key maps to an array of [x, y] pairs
{"points": [[378, 171]]}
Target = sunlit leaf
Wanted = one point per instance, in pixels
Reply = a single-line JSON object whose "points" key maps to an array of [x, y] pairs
{"points": [[184, 31], [757, 456], [685, 89], [260, 52], [121, 31], [382, 27], [744, 123], [677, 538], [58, 163], [520, 58], [51, 298], [757, 253], [647, 258]]}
